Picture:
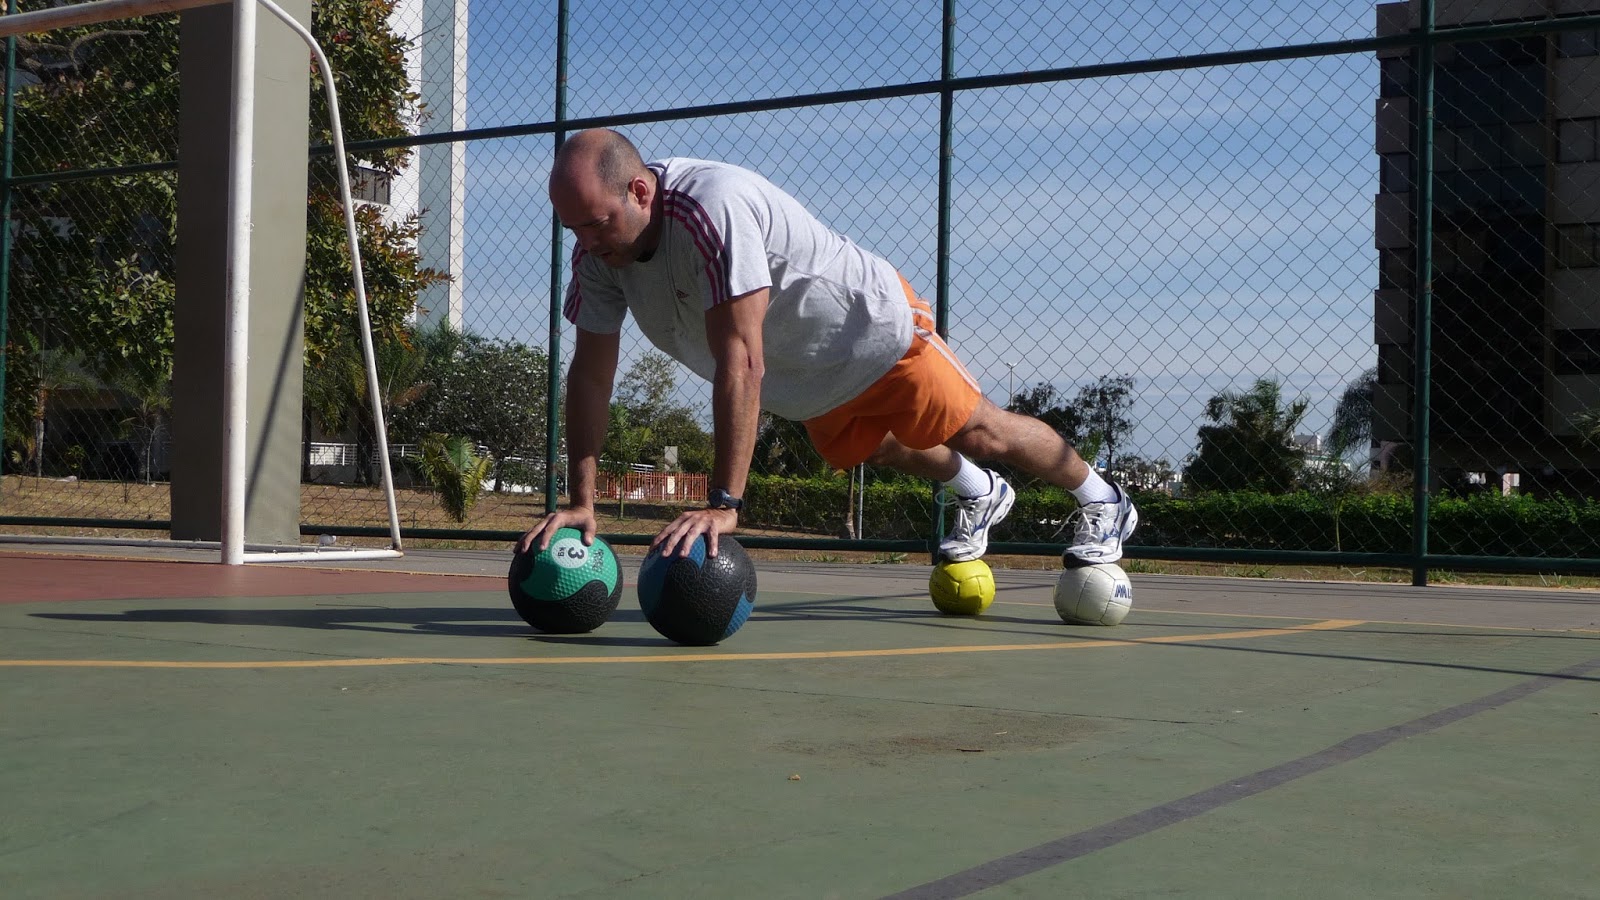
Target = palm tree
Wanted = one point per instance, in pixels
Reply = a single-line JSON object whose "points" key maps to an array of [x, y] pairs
{"points": [[1352, 418], [58, 369], [1587, 426], [1250, 443], [150, 391], [336, 395], [455, 471]]}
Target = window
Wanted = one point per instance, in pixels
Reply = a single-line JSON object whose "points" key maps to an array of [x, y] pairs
{"points": [[1523, 93], [1522, 190], [1577, 352], [1394, 173], [1492, 146], [1524, 144], [1446, 150], [371, 185], [1577, 138], [1394, 77], [1580, 43], [1394, 364], [1517, 249], [1478, 148], [1397, 269], [1459, 253], [1575, 246]]}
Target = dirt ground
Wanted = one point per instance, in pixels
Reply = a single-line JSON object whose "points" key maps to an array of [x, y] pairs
{"points": [[364, 506]]}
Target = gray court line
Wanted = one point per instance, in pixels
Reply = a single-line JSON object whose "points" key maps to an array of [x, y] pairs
{"points": [[1052, 853]]}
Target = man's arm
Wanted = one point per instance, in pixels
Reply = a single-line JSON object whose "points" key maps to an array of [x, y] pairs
{"points": [[733, 331], [589, 382], [588, 403]]}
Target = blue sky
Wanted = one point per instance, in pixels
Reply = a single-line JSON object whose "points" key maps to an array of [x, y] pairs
{"points": [[1194, 229]]}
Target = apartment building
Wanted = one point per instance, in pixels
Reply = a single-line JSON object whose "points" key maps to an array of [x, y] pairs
{"points": [[1516, 244]]}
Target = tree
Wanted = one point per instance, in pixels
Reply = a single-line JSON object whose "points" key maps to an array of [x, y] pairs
{"points": [[1587, 426], [1250, 443], [626, 443], [678, 427], [1103, 406], [455, 471], [646, 391], [149, 394], [1352, 418], [646, 388], [57, 369], [97, 252], [441, 351], [1045, 403], [784, 448], [507, 418], [1050, 406], [480, 389], [1140, 474], [337, 398]]}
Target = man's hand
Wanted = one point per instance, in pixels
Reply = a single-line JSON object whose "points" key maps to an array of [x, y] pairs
{"points": [[579, 517], [679, 536]]}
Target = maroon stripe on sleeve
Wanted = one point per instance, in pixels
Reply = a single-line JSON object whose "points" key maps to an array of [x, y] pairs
{"points": [[569, 310], [686, 209]]}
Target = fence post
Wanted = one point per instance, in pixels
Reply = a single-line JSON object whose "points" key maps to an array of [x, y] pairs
{"points": [[5, 217], [552, 429], [1422, 339], [947, 71]]}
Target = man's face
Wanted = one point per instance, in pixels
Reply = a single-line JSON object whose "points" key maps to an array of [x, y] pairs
{"points": [[609, 225]]}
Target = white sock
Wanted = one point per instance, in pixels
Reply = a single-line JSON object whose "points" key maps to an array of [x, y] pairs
{"points": [[970, 481], [1095, 490]]}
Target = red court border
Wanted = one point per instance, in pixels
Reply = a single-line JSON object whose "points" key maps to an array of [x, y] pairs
{"points": [[50, 577]]}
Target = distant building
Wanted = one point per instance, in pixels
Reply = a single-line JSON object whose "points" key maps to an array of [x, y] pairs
{"points": [[434, 185], [1516, 248]]}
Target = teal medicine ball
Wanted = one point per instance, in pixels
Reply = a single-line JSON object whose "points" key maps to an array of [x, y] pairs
{"points": [[698, 599], [566, 588]]}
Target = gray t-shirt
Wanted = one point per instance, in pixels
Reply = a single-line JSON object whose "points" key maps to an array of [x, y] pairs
{"points": [[837, 319]]}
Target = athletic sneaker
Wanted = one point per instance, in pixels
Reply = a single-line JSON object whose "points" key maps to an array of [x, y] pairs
{"points": [[974, 517], [1101, 528]]}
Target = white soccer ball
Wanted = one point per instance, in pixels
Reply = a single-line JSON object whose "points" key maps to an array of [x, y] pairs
{"points": [[1094, 595]]}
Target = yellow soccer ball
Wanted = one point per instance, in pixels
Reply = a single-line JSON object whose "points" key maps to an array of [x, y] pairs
{"points": [[962, 588]]}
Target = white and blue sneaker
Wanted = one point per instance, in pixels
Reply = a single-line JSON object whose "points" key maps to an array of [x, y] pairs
{"points": [[1100, 530], [969, 539]]}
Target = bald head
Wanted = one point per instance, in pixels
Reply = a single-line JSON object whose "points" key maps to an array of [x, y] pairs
{"points": [[599, 158], [604, 194]]}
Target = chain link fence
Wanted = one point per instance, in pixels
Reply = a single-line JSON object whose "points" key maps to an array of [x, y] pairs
{"points": [[1205, 243]]}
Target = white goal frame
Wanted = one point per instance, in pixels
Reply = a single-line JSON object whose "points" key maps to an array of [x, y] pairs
{"points": [[234, 551]]}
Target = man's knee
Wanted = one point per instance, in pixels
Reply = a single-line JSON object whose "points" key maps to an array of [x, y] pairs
{"points": [[889, 452], [985, 436]]}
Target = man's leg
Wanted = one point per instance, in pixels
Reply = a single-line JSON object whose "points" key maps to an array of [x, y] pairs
{"points": [[1106, 517], [983, 498], [1021, 441]]}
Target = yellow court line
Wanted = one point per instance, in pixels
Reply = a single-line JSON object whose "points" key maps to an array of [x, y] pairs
{"points": [[1417, 622], [1328, 625]]}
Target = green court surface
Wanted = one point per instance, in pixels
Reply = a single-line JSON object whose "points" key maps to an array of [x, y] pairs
{"points": [[360, 733]]}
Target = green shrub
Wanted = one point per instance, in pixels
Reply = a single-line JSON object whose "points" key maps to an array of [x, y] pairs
{"points": [[455, 471], [1481, 525]]}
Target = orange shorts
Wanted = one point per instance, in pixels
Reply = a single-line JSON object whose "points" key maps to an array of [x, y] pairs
{"points": [[923, 401]]}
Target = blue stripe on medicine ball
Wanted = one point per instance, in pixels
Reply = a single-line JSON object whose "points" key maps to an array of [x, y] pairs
{"points": [[652, 581], [740, 614], [696, 599]]}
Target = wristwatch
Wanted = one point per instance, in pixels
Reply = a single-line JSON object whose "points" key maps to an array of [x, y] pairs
{"points": [[721, 499]]}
